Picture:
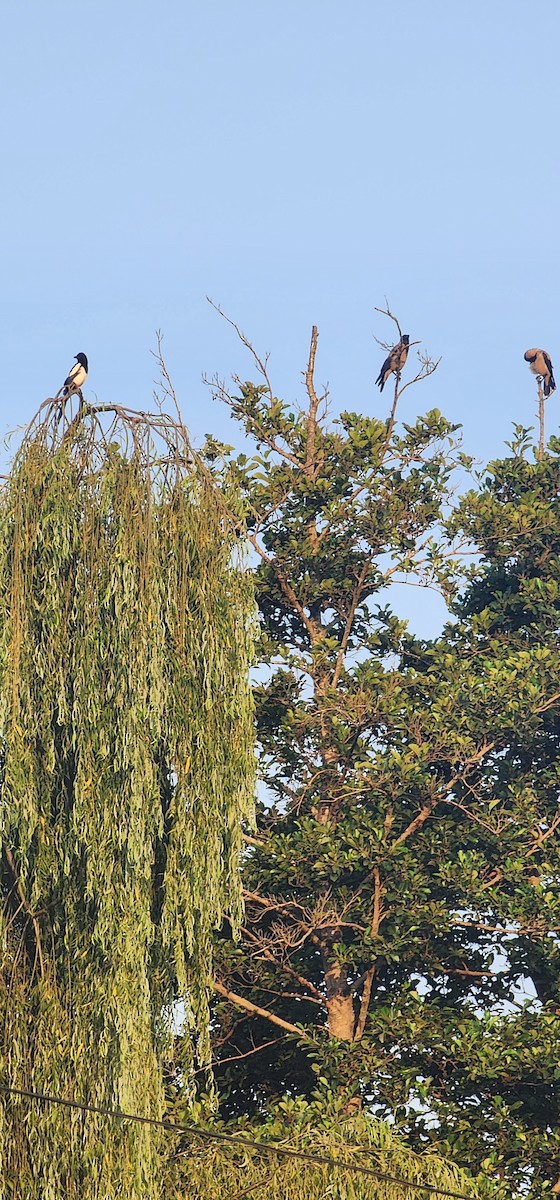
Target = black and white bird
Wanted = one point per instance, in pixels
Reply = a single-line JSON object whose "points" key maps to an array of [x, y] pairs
{"points": [[394, 362], [540, 365], [77, 376]]}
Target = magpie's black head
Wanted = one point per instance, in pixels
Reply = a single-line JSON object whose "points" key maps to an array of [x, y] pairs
{"points": [[405, 339], [81, 358]]}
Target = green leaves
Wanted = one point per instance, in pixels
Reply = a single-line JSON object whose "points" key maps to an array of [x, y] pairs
{"points": [[127, 764], [406, 864]]}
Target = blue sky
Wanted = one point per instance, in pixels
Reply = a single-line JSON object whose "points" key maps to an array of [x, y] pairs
{"points": [[298, 162]]}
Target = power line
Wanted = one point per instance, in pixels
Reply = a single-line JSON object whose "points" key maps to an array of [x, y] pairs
{"points": [[232, 1140]]}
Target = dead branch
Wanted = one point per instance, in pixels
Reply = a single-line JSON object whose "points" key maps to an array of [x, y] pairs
{"points": [[261, 364], [386, 312], [313, 402], [540, 452], [428, 366]]}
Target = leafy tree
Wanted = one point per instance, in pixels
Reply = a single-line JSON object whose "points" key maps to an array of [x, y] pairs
{"points": [[126, 730], [506, 635], [399, 885]]}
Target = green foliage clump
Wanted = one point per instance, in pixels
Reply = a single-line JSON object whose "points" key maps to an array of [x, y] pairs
{"points": [[319, 1130]]}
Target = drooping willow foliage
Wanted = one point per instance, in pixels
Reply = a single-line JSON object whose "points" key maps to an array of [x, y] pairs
{"points": [[202, 1171], [127, 768]]}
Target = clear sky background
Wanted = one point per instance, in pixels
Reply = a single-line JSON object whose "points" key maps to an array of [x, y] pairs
{"points": [[298, 162]]}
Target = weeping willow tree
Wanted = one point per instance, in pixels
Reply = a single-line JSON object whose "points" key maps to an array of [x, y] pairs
{"points": [[126, 752]]}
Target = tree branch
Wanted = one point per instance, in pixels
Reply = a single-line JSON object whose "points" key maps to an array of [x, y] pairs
{"points": [[257, 1011], [312, 627], [350, 621], [428, 808], [378, 914], [266, 955], [313, 402], [364, 1004]]}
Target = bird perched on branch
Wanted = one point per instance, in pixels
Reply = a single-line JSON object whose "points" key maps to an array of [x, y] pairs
{"points": [[394, 362], [540, 365], [77, 376]]}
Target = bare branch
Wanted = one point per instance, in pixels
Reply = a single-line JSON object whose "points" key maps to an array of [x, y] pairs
{"points": [[392, 415], [429, 365], [251, 841], [266, 955], [538, 930], [548, 703], [540, 452], [257, 1011], [220, 1062], [270, 903], [386, 312], [261, 364], [313, 402]]}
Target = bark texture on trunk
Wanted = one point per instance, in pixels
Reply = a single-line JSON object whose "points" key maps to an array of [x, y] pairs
{"points": [[340, 1007]]}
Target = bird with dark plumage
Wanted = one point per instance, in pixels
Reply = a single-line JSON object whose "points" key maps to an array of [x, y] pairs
{"points": [[541, 366], [394, 362], [77, 376]]}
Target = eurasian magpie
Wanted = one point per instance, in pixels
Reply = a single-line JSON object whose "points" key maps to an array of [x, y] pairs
{"points": [[77, 376]]}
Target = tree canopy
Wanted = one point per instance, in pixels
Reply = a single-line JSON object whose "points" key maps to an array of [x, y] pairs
{"points": [[386, 968], [127, 768], [400, 887]]}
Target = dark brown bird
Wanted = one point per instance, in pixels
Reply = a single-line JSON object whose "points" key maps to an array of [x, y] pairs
{"points": [[394, 362], [540, 365]]}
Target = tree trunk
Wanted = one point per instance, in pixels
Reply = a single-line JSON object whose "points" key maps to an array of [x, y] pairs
{"points": [[340, 1007]]}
